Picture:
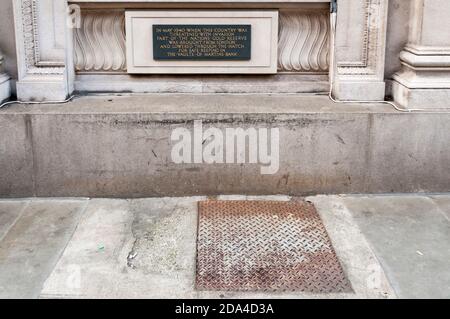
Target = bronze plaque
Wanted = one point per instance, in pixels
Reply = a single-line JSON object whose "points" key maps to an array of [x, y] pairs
{"points": [[201, 42]]}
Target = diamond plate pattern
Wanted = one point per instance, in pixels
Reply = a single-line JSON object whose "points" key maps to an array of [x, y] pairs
{"points": [[265, 245]]}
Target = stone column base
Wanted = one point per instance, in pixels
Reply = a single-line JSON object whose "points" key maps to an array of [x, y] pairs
{"points": [[42, 90], [420, 98], [424, 80], [359, 50], [360, 91], [5, 87]]}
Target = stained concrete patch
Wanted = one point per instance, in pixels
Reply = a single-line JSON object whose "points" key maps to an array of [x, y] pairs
{"points": [[145, 248], [408, 163], [153, 250], [16, 156], [32, 246], [129, 249], [411, 237]]}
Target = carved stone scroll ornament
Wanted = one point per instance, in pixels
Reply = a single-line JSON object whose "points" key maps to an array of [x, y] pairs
{"points": [[100, 42], [303, 44]]}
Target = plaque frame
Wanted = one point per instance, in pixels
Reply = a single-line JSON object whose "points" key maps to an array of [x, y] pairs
{"points": [[264, 41]]}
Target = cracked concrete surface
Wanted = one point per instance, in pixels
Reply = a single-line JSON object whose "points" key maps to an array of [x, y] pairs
{"points": [[145, 248]]}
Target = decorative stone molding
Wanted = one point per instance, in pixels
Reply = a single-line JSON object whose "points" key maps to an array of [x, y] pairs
{"points": [[30, 27], [38, 79], [100, 42], [303, 42], [358, 68], [367, 45]]}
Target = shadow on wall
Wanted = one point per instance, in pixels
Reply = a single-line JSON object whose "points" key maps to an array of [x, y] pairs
{"points": [[7, 39], [397, 35]]}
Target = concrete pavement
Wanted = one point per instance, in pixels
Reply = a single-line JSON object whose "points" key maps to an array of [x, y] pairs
{"points": [[32, 240], [390, 246]]}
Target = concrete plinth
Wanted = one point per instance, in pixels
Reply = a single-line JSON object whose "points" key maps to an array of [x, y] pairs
{"points": [[121, 147], [421, 98], [360, 91], [46, 90]]}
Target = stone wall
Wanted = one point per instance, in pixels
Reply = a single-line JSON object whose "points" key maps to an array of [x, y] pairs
{"points": [[397, 34], [362, 31], [121, 147]]}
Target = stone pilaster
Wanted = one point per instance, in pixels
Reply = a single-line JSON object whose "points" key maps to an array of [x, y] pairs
{"points": [[5, 86], [41, 40], [358, 70], [424, 80]]}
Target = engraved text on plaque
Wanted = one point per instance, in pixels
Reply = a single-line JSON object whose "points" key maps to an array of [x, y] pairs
{"points": [[201, 42]]}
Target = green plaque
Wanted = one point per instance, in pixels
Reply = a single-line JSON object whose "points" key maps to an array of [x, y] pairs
{"points": [[202, 42]]}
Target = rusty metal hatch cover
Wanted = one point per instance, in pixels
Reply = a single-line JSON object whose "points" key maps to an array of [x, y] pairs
{"points": [[265, 246]]}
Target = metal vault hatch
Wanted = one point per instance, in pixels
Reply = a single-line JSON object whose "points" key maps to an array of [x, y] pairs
{"points": [[265, 246]]}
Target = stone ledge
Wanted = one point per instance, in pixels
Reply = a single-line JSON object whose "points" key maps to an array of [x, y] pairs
{"points": [[188, 104], [191, 84]]}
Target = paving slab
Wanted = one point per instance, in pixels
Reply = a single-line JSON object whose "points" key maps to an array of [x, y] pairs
{"points": [[145, 248], [443, 202], [142, 248], [33, 245], [411, 237], [358, 259], [10, 211]]}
